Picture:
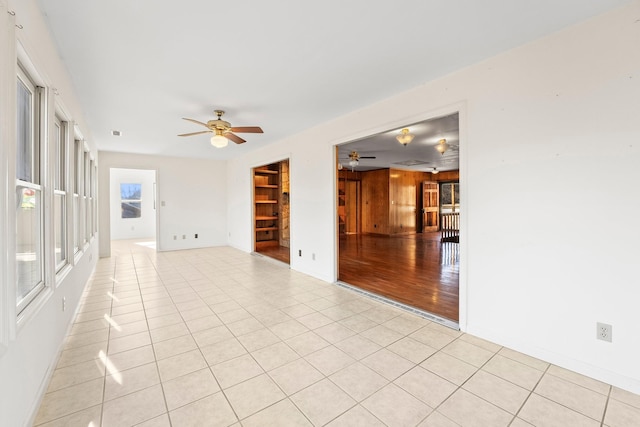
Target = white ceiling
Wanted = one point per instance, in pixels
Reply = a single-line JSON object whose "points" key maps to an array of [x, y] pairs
{"points": [[138, 66], [419, 155]]}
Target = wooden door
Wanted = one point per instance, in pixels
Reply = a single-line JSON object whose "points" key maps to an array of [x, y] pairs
{"points": [[430, 206]]}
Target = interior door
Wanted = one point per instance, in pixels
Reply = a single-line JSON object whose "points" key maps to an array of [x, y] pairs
{"points": [[430, 206]]}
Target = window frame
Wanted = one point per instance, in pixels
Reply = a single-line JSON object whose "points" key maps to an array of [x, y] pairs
{"points": [[76, 181], [38, 131], [60, 149]]}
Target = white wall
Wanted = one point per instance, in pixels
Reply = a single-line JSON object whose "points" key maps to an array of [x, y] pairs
{"points": [[133, 228], [549, 135], [29, 349], [191, 195]]}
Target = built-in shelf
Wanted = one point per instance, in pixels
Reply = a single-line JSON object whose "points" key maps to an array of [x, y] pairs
{"points": [[266, 172], [266, 183], [266, 228]]}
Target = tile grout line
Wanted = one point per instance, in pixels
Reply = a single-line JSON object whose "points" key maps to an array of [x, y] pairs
{"points": [[155, 356], [531, 391], [104, 379], [606, 406]]}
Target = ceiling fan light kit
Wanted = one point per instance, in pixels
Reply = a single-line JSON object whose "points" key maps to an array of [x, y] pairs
{"points": [[219, 141], [405, 137], [222, 130]]}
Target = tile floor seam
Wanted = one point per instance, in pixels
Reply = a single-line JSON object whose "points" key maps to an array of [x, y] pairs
{"points": [[460, 387], [606, 405], [104, 379], [565, 406], [578, 385], [155, 361], [531, 392]]}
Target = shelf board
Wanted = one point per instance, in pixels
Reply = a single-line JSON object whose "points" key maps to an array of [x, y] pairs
{"points": [[265, 171], [266, 185], [265, 217], [266, 228], [266, 201]]}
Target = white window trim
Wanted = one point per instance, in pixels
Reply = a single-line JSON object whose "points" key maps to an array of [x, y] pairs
{"points": [[39, 175], [60, 269], [7, 172]]}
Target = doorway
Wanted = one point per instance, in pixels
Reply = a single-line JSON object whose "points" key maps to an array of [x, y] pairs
{"points": [[132, 202], [271, 215], [390, 216]]}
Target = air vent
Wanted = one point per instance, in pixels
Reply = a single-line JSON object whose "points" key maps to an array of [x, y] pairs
{"points": [[411, 163]]}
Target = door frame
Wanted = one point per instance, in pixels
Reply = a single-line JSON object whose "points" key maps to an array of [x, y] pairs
{"points": [[462, 110]]}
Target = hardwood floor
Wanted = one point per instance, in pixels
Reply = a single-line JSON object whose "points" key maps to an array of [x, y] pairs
{"points": [[417, 270], [280, 253]]}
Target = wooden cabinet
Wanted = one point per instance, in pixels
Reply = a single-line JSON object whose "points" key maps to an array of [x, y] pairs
{"points": [[266, 197]]}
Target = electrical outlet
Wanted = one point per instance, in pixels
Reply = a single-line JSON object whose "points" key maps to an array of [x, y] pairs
{"points": [[604, 332], [184, 236], [196, 236], [175, 237]]}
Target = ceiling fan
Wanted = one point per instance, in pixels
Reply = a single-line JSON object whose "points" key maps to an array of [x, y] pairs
{"points": [[222, 130], [354, 158]]}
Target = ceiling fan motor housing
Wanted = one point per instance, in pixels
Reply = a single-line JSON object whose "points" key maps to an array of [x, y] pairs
{"points": [[221, 125]]}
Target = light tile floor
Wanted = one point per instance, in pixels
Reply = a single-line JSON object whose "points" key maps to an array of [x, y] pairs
{"points": [[218, 337]]}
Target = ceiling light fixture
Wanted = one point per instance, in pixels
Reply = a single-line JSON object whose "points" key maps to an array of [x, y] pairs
{"points": [[435, 171], [353, 163], [219, 141], [442, 146], [405, 137]]}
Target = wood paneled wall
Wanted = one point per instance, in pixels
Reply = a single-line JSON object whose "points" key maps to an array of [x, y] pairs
{"points": [[375, 201], [392, 199]]}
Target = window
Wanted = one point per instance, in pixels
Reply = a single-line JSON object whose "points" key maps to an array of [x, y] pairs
{"points": [[77, 174], [131, 200], [29, 209], [449, 197], [94, 193], [60, 194], [86, 197]]}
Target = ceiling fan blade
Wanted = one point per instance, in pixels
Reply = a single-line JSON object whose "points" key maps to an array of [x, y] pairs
{"points": [[367, 157], [234, 138], [195, 121], [195, 133], [247, 129]]}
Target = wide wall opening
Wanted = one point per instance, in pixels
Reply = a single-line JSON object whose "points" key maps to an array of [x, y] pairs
{"points": [[397, 210]]}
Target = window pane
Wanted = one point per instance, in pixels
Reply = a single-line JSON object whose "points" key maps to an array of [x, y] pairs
{"points": [[76, 222], [456, 189], [24, 133], [130, 203], [60, 155], [60, 230], [28, 242], [131, 209], [130, 191], [445, 194]]}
